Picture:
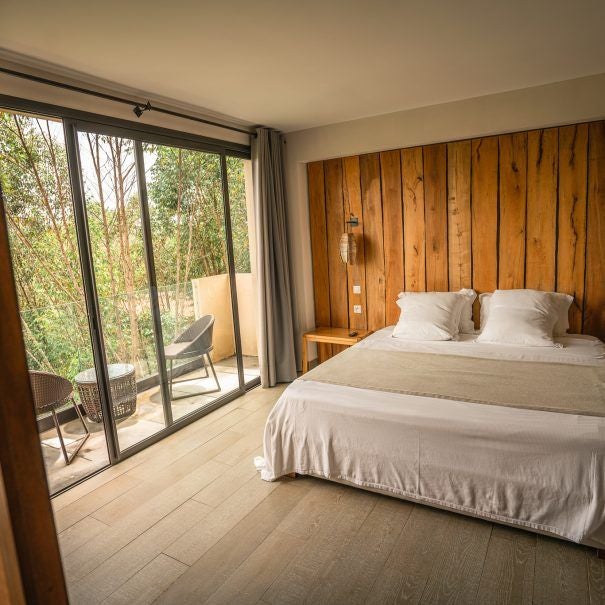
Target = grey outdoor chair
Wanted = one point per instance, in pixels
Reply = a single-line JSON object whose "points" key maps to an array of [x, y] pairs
{"points": [[52, 392], [195, 341]]}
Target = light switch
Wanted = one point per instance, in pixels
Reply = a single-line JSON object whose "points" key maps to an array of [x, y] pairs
{"points": [[356, 308], [356, 289]]}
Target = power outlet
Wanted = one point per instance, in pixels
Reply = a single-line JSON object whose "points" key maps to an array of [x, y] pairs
{"points": [[357, 309], [356, 289]]}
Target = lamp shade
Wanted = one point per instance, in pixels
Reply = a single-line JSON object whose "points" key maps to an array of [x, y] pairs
{"points": [[348, 248]]}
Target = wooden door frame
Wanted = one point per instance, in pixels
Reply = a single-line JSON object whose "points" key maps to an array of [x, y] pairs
{"points": [[31, 547]]}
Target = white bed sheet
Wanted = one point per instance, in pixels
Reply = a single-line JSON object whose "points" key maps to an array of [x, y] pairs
{"points": [[539, 470]]}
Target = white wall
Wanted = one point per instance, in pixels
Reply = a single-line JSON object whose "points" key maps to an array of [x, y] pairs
{"points": [[578, 100]]}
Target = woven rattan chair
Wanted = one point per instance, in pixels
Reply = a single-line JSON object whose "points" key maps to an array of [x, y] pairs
{"points": [[51, 392], [195, 341]]}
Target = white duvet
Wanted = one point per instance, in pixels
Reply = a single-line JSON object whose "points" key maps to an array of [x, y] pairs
{"points": [[539, 470]]}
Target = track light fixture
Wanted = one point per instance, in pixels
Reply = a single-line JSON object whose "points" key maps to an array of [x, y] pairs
{"points": [[138, 109]]}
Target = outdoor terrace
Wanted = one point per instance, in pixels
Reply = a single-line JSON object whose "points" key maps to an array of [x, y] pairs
{"points": [[145, 422]]}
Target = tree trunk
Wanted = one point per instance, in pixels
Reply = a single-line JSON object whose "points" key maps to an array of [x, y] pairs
{"points": [[179, 200], [95, 153], [121, 187]]}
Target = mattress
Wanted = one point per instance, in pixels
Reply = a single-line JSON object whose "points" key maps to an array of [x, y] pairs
{"points": [[539, 470]]}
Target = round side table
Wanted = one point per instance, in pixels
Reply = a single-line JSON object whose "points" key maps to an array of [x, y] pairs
{"points": [[123, 391]]}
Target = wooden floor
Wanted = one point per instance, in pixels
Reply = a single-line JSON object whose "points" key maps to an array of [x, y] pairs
{"points": [[146, 421], [190, 521]]}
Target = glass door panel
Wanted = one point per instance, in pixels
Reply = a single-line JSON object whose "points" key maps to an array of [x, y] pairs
{"points": [[115, 229], [239, 182], [189, 244], [47, 268], [139, 294]]}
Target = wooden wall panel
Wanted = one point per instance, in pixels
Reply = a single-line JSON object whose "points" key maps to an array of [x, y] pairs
{"points": [[373, 237], [571, 244], [356, 273], [435, 211], [511, 211], [319, 242], [319, 247], [513, 196], [459, 214], [412, 174], [594, 301], [542, 173], [392, 208], [484, 213], [335, 224]]}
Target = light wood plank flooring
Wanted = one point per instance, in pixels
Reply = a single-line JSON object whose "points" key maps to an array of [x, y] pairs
{"points": [[190, 521], [146, 421]]}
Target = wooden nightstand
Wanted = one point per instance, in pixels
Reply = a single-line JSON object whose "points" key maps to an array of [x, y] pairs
{"points": [[334, 336]]}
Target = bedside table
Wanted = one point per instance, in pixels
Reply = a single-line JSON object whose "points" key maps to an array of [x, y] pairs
{"points": [[333, 336]]}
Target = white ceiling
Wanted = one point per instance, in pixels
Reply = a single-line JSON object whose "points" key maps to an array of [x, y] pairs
{"points": [[295, 64]]}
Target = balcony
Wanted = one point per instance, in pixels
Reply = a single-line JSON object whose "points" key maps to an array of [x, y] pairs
{"points": [[154, 237], [65, 332]]}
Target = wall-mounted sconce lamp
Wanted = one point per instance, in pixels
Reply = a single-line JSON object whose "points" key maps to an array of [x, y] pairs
{"points": [[348, 245]]}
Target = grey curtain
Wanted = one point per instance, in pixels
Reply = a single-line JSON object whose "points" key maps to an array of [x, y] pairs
{"points": [[276, 331]]}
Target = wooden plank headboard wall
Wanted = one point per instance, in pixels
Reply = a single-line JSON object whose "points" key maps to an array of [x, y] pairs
{"points": [[521, 210]]}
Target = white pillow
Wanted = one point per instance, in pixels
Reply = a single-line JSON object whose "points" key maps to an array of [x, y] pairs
{"points": [[563, 303], [429, 315], [467, 325], [465, 321], [521, 317], [484, 300]]}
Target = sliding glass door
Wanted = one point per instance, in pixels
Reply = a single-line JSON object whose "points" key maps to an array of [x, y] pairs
{"points": [[239, 187], [132, 257], [46, 262], [115, 222], [191, 257], [162, 265]]}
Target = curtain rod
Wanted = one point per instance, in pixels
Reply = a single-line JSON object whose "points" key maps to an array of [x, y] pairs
{"points": [[138, 107]]}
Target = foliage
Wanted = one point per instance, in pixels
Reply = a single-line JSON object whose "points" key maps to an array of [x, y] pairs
{"points": [[185, 203]]}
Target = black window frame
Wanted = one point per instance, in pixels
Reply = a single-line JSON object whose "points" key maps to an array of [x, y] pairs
{"points": [[75, 121]]}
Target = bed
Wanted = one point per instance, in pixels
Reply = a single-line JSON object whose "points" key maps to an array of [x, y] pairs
{"points": [[536, 467]]}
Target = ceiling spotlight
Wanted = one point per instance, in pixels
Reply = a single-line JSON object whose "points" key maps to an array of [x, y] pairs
{"points": [[138, 109]]}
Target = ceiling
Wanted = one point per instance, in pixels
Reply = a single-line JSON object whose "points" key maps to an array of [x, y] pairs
{"points": [[298, 64]]}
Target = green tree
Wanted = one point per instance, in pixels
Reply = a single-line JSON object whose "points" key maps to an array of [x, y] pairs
{"points": [[188, 232]]}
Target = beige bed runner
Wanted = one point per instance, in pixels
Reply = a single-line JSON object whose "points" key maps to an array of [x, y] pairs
{"points": [[553, 387]]}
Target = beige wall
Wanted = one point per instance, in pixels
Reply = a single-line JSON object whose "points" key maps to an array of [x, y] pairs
{"points": [[247, 305], [211, 295], [567, 102]]}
